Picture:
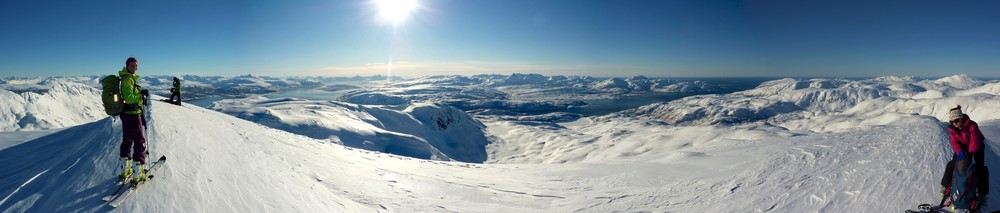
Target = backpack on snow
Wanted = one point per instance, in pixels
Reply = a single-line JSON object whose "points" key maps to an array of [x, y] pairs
{"points": [[111, 95], [964, 192]]}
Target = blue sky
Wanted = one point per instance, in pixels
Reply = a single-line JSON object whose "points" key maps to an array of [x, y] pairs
{"points": [[662, 38]]}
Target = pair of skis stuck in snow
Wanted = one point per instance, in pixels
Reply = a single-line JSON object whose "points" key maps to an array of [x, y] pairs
{"points": [[126, 188]]}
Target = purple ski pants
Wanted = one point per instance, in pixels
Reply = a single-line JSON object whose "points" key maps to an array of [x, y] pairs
{"points": [[132, 138]]}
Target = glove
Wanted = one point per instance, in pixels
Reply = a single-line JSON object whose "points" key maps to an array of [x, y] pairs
{"points": [[960, 156], [145, 97]]}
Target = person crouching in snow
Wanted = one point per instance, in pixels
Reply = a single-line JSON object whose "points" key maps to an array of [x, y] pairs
{"points": [[966, 141], [176, 92]]}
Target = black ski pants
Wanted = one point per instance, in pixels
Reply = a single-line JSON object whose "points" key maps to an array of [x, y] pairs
{"points": [[175, 94]]}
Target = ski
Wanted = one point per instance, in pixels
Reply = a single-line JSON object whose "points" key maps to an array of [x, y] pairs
{"points": [[121, 188], [131, 188], [174, 102]]}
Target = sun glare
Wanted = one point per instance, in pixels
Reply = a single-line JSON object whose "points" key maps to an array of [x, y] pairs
{"points": [[395, 11]]}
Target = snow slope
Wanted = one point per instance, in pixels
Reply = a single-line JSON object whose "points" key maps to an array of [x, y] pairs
{"points": [[219, 163], [421, 130], [48, 103]]}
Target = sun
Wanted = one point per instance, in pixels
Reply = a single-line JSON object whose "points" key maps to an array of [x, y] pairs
{"points": [[395, 11]]}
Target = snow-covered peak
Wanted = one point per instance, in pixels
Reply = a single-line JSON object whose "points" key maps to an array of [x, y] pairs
{"points": [[643, 84], [637, 78], [612, 84], [777, 86], [685, 87], [519, 79], [897, 79], [960, 81], [243, 81]]}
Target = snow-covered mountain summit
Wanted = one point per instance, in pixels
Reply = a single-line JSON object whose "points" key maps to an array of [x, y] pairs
{"points": [[961, 81]]}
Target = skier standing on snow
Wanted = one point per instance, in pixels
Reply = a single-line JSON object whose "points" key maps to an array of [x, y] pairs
{"points": [[966, 140], [132, 137], [176, 91]]}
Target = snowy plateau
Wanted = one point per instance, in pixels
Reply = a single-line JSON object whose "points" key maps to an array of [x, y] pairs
{"points": [[496, 143]]}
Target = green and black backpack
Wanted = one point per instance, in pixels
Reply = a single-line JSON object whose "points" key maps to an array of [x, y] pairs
{"points": [[111, 95]]}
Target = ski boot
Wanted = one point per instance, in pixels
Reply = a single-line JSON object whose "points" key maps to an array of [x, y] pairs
{"points": [[140, 173], [126, 169]]}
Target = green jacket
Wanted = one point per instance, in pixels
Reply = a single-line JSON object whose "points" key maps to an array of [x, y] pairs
{"points": [[177, 86], [130, 91]]}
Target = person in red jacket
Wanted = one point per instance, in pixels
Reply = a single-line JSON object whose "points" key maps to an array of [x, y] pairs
{"points": [[966, 141]]}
